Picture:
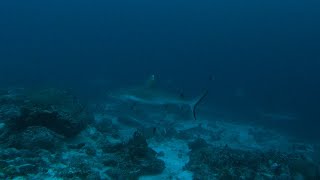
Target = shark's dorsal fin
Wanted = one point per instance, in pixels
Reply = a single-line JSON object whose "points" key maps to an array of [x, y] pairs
{"points": [[151, 81]]}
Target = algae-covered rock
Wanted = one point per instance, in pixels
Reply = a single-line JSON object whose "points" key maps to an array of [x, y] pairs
{"points": [[209, 162], [135, 159], [54, 109], [36, 137]]}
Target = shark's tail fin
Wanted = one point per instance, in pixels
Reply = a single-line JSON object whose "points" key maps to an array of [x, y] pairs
{"points": [[195, 102]]}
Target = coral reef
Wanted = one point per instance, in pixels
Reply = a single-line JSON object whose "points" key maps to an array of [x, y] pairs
{"points": [[209, 162], [49, 134], [135, 159], [35, 137], [53, 109]]}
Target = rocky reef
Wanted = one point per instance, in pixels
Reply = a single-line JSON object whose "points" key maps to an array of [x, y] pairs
{"points": [[134, 159], [48, 133], [54, 109], [209, 162]]}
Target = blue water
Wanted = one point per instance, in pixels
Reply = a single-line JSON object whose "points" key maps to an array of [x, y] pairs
{"points": [[251, 55]]}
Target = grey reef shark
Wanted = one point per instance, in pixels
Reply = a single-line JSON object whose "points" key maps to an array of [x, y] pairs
{"points": [[149, 94]]}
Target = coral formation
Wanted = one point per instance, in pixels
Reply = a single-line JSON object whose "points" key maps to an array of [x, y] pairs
{"points": [[49, 134], [53, 109], [209, 162]]}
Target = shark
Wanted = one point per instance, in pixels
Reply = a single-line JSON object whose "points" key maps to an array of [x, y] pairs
{"points": [[149, 94]]}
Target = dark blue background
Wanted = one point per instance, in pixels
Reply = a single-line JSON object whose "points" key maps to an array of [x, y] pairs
{"points": [[268, 50]]}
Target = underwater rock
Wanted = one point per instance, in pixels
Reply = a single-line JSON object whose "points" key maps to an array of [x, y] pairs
{"points": [[35, 137], [198, 144], [25, 163], [208, 162], [160, 133], [306, 168], [135, 159], [110, 160], [27, 168], [76, 146], [112, 148], [106, 126], [54, 110], [216, 136], [90, 150], [9, 104], [10, 96], [77, 166], [9, 111], [183, 135], [10, 153], [149, 132]]}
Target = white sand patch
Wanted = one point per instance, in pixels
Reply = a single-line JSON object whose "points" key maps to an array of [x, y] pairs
{"points": [[175, 157]]}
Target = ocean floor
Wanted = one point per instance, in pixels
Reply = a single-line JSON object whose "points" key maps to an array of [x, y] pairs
{"points": [[49, 135]]}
